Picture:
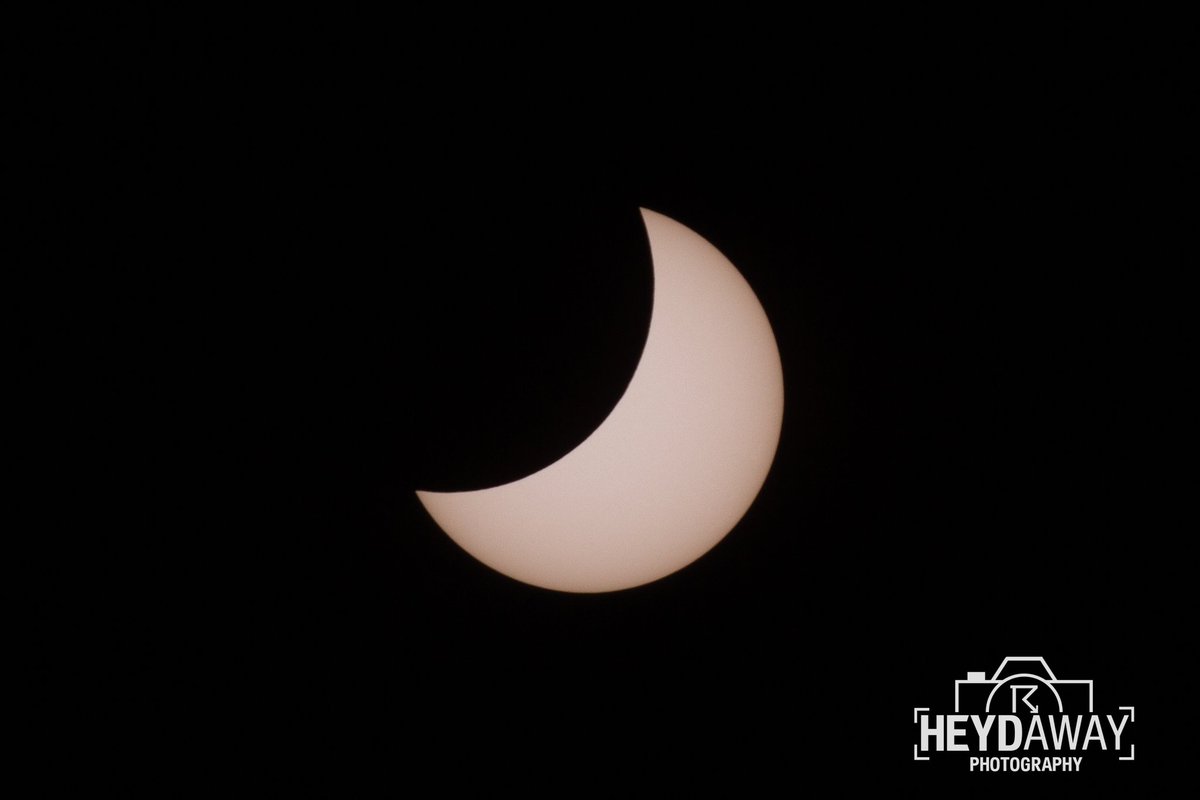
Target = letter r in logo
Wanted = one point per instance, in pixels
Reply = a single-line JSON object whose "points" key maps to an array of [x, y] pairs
{"points": [[1032, 689]]}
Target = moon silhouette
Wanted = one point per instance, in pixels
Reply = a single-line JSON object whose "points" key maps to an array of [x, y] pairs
{"points": [[675, 465]]}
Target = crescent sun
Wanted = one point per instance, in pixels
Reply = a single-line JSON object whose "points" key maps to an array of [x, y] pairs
{"points": [[675, 465]]}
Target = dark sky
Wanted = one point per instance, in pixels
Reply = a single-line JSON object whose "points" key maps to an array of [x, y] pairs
{"points": [[423, 268]]}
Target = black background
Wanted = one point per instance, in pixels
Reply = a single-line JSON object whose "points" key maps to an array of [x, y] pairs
{"points": [[415, 261]]}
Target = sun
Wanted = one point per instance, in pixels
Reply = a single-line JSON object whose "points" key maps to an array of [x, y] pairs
{"points": [[675, 465]]}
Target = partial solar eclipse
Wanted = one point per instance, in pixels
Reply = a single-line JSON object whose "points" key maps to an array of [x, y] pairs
{"points": [[676, 464]]}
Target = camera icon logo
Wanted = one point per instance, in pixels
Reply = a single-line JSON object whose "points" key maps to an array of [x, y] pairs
{"points": [[1022, 685]]}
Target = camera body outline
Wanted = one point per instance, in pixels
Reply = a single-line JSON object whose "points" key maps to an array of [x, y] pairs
{"points": [[1019, 668]]}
